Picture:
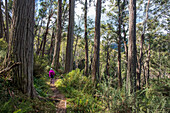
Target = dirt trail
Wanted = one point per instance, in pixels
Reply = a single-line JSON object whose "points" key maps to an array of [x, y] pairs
{"points": [[57, 95]]}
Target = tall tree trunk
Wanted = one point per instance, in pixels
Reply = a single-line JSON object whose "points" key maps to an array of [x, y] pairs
{"points": [[147, 63], [63, 54], [56, 55], [119, 48], [23, 39], [75, 49], [70, 38], [91, 60], [107, 60], [86, 39], [7, 28], [1, 20], [159, 57], [38, 43], [144, 81], [52, 44], [124, 37], [131, 73], [95, 65], [141, 49], [126, 48], [46, 33], [35, 33]]}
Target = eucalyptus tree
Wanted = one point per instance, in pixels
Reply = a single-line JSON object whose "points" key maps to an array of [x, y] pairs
{"points": [[1, 20], [22, 41], [119, 45], [78, 31], [95, 64], [70, 38], [42, 13], [116, 14], [139, 64], [108, 35], [6, 20], [47, 27], [86, 39], [131, 72], [56, 54]]}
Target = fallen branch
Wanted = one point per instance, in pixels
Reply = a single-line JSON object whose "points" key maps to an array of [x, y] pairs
{"points": [[9, 68]]}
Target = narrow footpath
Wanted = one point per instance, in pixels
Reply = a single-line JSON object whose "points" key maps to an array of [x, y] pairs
{"points": [[57, 95]]}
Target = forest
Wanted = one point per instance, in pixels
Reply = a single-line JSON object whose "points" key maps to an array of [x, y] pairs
{"points": [[107, 56]]}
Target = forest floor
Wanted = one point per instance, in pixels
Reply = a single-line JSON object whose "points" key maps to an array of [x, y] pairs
{"points": [[57, 95]]}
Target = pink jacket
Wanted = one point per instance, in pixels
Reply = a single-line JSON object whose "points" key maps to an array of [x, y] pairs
{"points": [[51, 72]]}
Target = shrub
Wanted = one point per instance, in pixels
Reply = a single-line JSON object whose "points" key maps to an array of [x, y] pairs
{"points": [[79, 90], [3, 49], [40, 66], [13, 101]]}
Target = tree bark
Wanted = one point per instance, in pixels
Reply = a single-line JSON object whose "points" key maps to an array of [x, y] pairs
{"points": [[91, 60], [107, 60], [131, 72], [119, 48], [75, 49], [95, 65], [144, 82], [35, 33], [124, 37], [7, 28], [147, 63], [46, 33], [70, 38], [55, 62], [141, 49], [38, 48], [1, 21], [126, 48], [22, 35], [86, 39], [52, 44]]}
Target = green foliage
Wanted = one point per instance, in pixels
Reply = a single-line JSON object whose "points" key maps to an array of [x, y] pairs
{"points": [[79, 90], [3, 49], [40, 66], [22, 104], [113, 99], [12, 100], [157, 96], [152, 99], [41, 86]]}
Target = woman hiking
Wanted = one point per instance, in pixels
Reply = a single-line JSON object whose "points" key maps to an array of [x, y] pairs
{"points": [[51, 75]]}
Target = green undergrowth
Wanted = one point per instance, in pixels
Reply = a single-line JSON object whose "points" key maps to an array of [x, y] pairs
{"points": [[41, 85], [82, 97], [3, 49], [78, 90], [13, 101]]}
